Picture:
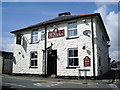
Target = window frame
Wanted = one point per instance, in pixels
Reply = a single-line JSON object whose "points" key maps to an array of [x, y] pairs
{"points": [[33, 59], [72, 29], [73, 57], [33, 36], [42, 33]]}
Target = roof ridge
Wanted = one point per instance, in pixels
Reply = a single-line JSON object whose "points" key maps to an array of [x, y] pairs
{"points": [[81, 14]]}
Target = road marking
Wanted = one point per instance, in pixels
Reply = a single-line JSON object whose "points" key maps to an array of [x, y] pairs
{"points": [[15, 85], [55, 84], [47, 84], [114, 87]]}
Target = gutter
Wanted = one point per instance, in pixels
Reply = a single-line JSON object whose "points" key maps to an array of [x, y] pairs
{"points": [[45, 48], [93, 50]]}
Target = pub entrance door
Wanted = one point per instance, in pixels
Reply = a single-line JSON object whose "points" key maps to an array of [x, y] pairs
{"points": [[52, 62]]}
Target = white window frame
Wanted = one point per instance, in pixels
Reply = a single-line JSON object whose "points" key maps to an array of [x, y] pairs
{"points": [[72, 57], [33, 59], [34, 36], [43, 35], [72, 29]]}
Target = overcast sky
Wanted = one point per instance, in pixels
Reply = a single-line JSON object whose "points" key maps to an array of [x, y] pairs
{"points": [[16, 15]]}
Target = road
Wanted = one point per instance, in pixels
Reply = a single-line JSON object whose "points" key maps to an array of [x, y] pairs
{"points": [[9, 83]]}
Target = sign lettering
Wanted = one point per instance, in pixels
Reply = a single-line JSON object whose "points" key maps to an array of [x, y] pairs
{"points": [[58, 33]]}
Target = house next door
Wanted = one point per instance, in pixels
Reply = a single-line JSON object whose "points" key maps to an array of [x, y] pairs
{"points": [[52, 62]]}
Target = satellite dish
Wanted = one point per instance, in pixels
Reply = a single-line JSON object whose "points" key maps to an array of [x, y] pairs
{"points": [[87, 33]]}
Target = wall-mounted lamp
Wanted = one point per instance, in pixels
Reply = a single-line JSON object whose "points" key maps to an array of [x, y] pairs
{"points": [[87, 33], [55, 27], [84, 20]]}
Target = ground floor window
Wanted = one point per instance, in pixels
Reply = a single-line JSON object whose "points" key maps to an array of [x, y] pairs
{"points": [[73, 57], [34, 59]]}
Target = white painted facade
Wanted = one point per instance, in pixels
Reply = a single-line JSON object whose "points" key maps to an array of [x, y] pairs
{"points": [[62, 44]]}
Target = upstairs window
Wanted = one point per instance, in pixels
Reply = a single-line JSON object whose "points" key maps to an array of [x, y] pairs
{"points": [[72, 29], [34, 36], [18, 39], [42, 35], [73, 57], [34, 59]]}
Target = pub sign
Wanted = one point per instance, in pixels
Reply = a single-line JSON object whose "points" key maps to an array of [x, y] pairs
{"points": [[86, 61], [56, 33]]}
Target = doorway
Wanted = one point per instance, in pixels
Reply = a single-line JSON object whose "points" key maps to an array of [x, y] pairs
{"points": [[52, 62]]}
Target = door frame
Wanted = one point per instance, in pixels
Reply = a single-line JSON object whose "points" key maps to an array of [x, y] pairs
{"points": [[50, 69]]}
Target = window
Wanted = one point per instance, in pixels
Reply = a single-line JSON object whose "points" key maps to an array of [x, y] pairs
{"points": [[18, 39], [99, 61], [42, 35], [72, 29], [34, 59], [73, 57], [34, 36]]}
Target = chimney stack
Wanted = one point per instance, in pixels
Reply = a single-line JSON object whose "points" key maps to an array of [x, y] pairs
{"points": [[65, 13]]}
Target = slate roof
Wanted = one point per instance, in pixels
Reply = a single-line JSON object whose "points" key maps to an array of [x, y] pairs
{"points": [[60, 19]]}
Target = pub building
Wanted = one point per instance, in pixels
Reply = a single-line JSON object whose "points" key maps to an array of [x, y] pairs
{"points": [[65, 46]]}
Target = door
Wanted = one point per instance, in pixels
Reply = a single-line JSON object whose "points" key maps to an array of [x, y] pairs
{"points": [[52, 62]]}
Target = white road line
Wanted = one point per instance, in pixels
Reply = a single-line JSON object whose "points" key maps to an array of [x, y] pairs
{"points": [[54, 84], [114, 87], [47, 84], [15, 85]]}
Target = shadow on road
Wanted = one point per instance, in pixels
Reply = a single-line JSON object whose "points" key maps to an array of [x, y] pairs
{"points": [[8, 88], [112, 74]]}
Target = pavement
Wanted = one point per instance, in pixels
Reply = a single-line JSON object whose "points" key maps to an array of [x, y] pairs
{"points": [[69, 81]]}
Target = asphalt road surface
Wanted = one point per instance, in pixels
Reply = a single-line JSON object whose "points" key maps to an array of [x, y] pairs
{"points": [[18, 84]]}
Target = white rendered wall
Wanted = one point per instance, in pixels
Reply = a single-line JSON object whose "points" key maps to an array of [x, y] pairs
{"points": [[61, 44]]}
